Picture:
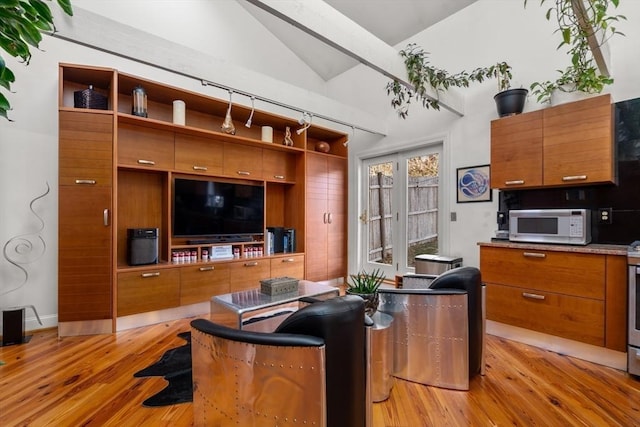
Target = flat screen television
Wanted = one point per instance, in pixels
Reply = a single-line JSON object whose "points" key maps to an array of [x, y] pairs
{"points": [[215, 208]]}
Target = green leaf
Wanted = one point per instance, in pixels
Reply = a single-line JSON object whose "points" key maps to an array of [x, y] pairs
{"points": [[4, 103], [42, 9], [9, 3], [66, 6]]}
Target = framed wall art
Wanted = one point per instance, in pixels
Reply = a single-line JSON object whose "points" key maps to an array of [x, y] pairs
{"points": [[473, 184]]}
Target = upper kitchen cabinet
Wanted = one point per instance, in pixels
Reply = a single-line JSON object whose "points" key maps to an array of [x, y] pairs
{"points": [[570, 144], [516, 151], [578, 143]]}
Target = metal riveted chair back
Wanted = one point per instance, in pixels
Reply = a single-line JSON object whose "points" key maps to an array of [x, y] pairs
{"points": [[438, 331], [290, 377]]}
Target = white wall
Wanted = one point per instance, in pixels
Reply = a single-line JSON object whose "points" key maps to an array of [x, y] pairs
{"points": [[473, 37], [481, 34]]}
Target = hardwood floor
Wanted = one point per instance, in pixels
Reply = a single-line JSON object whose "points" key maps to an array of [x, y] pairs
{"points": [[88, 381]]}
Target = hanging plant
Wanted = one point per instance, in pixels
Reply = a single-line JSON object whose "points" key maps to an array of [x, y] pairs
{"points": [[422, 76], [21, 25], [577, 23]]}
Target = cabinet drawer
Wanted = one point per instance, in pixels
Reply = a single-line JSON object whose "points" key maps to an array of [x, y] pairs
{"points": [[86, 149], [278, 166], [579, 319], [290, 266], [242, 161], [200, 283], [145, 147], [148, 290], [198, 155], [247, 274], [575, 274]]}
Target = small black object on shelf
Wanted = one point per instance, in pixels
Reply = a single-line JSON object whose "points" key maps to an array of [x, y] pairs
{"points": [[89, 98]]}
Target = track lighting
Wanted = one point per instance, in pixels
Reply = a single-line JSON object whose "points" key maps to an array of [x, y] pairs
{"points": [[248, 124], [304, 122]]}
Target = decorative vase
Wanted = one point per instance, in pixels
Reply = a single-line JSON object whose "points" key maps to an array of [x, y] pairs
{"points": [[510, 102], [370, 301], [323, 147]]}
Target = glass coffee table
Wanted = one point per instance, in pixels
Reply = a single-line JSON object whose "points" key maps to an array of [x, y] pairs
{"points": [[256, 311]]}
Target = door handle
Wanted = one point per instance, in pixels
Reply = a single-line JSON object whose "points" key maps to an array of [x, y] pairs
{"points": [[105, 217]]}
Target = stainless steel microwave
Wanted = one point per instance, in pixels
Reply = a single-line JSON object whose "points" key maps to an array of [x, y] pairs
{"points": [[563, 226]]}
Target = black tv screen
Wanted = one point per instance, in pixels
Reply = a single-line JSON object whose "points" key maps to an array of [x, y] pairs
{"points": [[216, 208]]}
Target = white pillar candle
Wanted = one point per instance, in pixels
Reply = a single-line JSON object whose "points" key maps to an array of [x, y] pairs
{"points": [[179, 111], [267, 134]]}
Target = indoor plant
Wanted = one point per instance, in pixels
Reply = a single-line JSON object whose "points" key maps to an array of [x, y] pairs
{"points": [[366, 286], [579, 23], [21, 24], [509, 101], [422, 75]]}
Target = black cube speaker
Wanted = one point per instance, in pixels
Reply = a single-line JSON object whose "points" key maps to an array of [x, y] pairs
{"points": [[142, 246]]}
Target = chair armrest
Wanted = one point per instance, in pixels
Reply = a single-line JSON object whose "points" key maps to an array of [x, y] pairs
{"points": [[422, 291], [258, 338]]}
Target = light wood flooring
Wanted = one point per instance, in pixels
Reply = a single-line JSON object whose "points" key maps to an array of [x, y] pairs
{"points": [[88, 381]]}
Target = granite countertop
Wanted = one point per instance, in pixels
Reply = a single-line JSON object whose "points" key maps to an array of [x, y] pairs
{"points": [[594, 248]]}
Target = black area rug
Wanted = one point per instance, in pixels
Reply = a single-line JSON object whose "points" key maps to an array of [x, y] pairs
{"points": [[175, 367]]}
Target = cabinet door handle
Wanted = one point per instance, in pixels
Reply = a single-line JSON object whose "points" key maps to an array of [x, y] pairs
{"points": [[146, 162], [244, 173], [574, 178], [514, 182], [251, 264], [533, 296], [147, 275], [86, 181], [278, 176], [211, 268], [105, 217], [324, 218], [329, 217], [534, 255], [288, 260], [199, 168]]}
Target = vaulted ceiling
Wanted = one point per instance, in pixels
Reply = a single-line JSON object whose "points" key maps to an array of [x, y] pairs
{"points": [[391, 21]]}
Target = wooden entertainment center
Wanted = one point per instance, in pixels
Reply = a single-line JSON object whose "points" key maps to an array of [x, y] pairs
{"points": [[116, 172]]}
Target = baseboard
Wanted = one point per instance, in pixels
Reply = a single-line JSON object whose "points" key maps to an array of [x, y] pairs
{"points": [[153, 317], [591, 353]]}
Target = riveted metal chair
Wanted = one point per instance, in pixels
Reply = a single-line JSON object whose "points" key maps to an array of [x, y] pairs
{"points": [[438, 329], [312, 370]]}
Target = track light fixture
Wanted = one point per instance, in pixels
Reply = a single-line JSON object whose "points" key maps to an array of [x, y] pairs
{"points": [[303, 121], [248, 124]]}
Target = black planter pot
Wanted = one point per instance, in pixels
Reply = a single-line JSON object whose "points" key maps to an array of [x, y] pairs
{"points": [[510, 101], [370, 301]]}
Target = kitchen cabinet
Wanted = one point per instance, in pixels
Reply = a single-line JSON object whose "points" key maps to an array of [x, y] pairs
{"points": [[326, 217], [569, 144], [564, 293]]}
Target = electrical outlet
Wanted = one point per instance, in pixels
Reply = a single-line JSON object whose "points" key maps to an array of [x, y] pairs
{"points": [[605, 215]]}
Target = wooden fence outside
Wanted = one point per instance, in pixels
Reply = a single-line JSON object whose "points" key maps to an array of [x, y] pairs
{"points": [[422, 215]]}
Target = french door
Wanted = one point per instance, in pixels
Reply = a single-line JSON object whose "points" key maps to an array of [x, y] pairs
{"points": [[399, 210]]}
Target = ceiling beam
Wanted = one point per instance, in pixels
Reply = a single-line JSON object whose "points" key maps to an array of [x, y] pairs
{"points": [[323, 22], [600, 52]]}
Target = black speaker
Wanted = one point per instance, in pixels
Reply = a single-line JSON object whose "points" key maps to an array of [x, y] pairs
{"points": [[13, 327], [142, 246]]}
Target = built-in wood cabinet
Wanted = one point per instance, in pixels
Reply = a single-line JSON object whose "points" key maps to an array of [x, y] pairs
{"points": [[117, 172], [326, 253], [85, 220], [564, 145], [564, 293]]}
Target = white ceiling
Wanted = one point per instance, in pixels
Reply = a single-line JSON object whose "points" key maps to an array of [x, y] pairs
{"points": [[391, 21]]}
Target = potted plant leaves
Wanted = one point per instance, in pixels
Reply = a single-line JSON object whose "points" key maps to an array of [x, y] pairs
{"points": [[366, 285], [508, 101]]}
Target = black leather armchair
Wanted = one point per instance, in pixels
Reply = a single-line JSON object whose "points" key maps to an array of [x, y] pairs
{"points": [[312, 369], [438, 329]]}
